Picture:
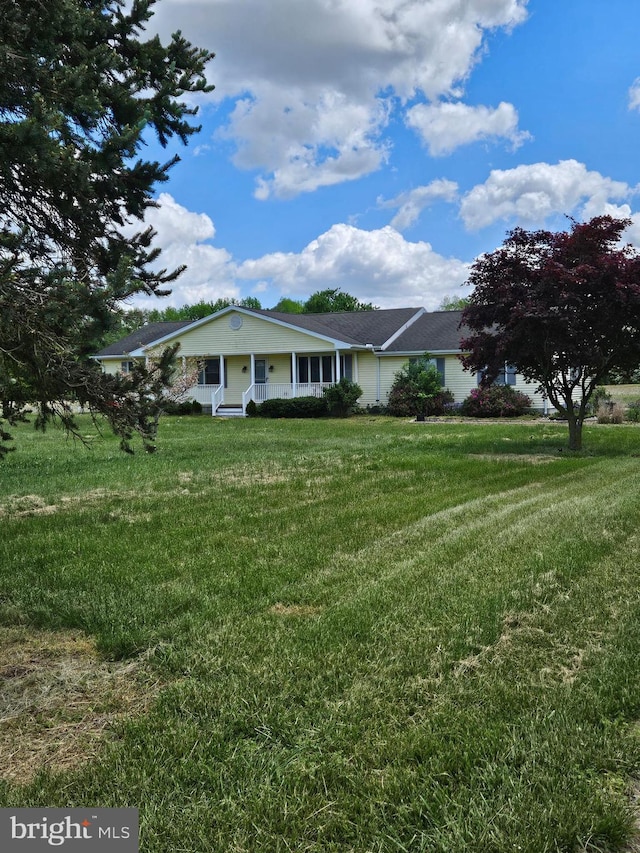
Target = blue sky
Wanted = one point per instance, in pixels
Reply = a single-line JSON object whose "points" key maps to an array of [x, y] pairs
{"points": [[379, 146]]}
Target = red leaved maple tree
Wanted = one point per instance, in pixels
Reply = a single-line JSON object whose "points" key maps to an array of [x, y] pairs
{"points": [[562, 307]]}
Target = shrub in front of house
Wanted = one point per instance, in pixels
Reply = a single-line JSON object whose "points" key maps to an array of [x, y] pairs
{"points": [[599, 399], [633, 412], [435, 404], [417, 392], [495, 401], [296, 407], [342, 398], [185, 407]]}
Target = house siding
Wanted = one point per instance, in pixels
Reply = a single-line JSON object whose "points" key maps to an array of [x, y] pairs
{"points": [[389, 366], [114, 365], [254, 336], [281, 368], [366, 377], [459, 381], [237, 381]]}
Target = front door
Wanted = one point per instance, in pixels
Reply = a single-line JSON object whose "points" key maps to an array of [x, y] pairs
{"points": [[261, 371]]}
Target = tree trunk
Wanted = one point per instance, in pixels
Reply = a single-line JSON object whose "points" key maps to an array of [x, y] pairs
{"points": [[575, 431]]}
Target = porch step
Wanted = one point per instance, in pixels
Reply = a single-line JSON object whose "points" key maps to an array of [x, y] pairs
{"points": [[230, 412]]}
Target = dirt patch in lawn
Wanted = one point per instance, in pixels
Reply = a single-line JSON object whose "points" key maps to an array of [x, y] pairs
{"points": [[59, 700]]}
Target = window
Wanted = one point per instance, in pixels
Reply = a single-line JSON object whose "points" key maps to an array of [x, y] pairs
{"points": [[126, 366], [507, 376], [210, 374], [315, 368], [346, 366]]}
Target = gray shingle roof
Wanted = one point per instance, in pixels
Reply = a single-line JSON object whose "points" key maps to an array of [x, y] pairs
{"points": [[141, 337], [352, 327], [433, 332]]}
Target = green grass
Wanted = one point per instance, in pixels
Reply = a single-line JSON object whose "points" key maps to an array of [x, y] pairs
{"points": [[624, 394], [374, 635]]}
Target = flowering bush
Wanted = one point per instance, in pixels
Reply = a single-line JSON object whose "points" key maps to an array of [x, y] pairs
{"points": [[495, 401]]}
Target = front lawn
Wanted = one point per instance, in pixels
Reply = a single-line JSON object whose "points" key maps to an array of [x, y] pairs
{"points": [[348, 635]]}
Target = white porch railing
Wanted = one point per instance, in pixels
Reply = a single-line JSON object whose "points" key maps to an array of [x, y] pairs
{"points": [[204, 393], [280, 390], [259, 392], [217, 398]]}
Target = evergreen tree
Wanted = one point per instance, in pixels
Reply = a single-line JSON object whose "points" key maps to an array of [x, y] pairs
{"points": [[79, 90]]}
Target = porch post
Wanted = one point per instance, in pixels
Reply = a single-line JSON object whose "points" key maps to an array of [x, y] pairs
{"points": [[253, 368], [221, 357], [337, 365], [294, 373]]}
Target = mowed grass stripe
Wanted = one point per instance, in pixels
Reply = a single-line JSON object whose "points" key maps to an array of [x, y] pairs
{"points": [[533, 524], [424, 648]]}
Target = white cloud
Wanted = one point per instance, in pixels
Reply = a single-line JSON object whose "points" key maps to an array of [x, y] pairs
{"points": [[410, 204], [305, 145], [347, 45], [375, 266], [623, 211], [181, 234], [313, 79], [444, 127], [634, 95], [176, 225], [531, 193]]}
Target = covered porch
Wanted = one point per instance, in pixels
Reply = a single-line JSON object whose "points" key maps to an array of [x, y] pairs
{"points": [[233, 381]]}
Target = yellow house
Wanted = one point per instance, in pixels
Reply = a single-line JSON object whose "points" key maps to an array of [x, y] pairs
{"points": [[249, 354]]}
